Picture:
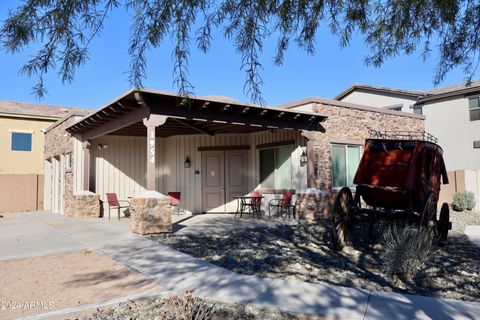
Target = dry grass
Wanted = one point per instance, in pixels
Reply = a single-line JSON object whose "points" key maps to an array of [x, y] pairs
{"points": [[406, 250]]}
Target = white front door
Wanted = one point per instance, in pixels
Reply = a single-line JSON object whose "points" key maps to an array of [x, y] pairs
{"points": [[224, 176]]}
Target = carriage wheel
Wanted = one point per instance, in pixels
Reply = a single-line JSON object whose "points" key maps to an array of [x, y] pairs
{"points": [[443, 224], [341, 216], [429, 213]]}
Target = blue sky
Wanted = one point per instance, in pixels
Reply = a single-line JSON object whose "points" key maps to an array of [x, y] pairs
{"points": [[331, 70]]}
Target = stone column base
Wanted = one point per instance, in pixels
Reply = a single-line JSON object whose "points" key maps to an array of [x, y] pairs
{"points": [[151, 213], [313, 205], [86, 204]]}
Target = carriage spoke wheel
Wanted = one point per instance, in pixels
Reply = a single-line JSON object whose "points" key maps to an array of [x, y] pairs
{"points": [[443, 224], [341, 217], [429, 214]]}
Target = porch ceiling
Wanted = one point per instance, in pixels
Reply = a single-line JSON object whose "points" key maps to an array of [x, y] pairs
{"points": [[192, 115]]}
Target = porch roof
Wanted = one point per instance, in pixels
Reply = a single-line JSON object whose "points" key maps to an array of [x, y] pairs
{"points": [[189, 115]]}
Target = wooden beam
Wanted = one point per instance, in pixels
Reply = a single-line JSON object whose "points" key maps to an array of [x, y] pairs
{"points": [[222, 148], [191, 126], [276, 144], [171, 111], [117, 123]]}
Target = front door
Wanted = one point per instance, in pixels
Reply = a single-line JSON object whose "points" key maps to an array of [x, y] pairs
{"points": [[224, 176]]}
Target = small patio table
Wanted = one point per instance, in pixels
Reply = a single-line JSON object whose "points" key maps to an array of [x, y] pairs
{"points": [[248, 204]]}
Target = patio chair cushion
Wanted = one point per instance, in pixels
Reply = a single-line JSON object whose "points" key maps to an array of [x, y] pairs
{"points": [[256, 201], [112, 200], [286, 198], [174, 198]]}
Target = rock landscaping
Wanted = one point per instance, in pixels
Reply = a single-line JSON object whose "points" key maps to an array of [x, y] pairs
{"points": [[304, 252], [166, 308]]}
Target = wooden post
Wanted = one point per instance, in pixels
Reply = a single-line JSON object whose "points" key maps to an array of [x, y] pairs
{"points": [[151, 122], [86, 165], [311, 174]]}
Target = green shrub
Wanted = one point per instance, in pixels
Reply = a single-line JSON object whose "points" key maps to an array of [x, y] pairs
{"points": [[463, 201]]}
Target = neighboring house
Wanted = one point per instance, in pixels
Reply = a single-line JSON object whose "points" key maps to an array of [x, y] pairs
{"points": [[452, 115], [210, 149], [22, 149]]}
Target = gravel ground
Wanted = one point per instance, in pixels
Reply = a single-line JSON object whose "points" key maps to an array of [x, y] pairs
{"points": [[304, 252], [161, 309]]}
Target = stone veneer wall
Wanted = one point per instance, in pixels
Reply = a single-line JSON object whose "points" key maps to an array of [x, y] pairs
{"points": [[57, 140], [85, 205], [151, 215], [344, 125]]}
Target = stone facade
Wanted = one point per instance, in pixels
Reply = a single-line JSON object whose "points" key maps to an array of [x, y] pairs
{"points": [[57, 140], [85, 205], [151, 215], [345, 125]]}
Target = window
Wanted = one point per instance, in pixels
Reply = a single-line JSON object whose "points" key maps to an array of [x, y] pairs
{"points": [[276, 168], [345, 160], [21, 141], [68, 161], [418, 109], [474, 108]]}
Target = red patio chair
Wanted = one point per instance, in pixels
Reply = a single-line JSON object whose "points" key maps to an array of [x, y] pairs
{"points": [[175, 200], [254, 204], [283, 204], [114, 203]]}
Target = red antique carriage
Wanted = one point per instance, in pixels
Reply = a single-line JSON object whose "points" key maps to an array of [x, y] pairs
{"points": [[398, 179]]}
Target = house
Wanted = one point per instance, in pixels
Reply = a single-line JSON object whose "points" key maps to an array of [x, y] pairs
{"points": [[22, 149], [147, 143], [452, 115]]}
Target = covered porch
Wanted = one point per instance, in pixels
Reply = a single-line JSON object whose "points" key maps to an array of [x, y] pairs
{"points": [[209, 149]]}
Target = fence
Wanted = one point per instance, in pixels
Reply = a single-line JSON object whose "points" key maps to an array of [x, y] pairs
{"points": [[461, 180], [21, 192]]}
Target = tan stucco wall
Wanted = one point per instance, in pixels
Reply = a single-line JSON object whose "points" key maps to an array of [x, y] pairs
{"points": [[376, 99], [22, 162]]}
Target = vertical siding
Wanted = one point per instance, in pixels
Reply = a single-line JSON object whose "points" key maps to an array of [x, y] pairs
{"points": [[77, 165], [47, 191], [121, 167]]}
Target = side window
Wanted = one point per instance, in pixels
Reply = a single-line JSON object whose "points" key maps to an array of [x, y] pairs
{"points": [[418, 109], [276, 168], [474, 108], [345, 160], [21, 141]]}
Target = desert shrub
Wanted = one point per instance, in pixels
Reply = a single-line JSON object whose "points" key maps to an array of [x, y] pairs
{"points": [[406, 250], [188, 307], [463, 201]]}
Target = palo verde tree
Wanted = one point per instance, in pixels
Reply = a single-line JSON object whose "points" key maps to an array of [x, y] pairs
{"points": [[65, 29]]}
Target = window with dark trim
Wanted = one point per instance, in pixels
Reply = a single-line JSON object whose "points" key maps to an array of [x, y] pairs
{"points": [[21, 141], [345, 160], [474, 108], [476, 144]]}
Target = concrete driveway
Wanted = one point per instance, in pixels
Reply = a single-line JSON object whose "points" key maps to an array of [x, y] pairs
{"points": [[29, 238]]}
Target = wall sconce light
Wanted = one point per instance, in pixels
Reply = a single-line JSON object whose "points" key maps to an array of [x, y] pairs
{"points": [[303, 158], [187, 163], [102, 146]]}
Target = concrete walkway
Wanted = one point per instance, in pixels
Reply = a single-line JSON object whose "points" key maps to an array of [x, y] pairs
{"points": [[473, 233], [177, 272]]}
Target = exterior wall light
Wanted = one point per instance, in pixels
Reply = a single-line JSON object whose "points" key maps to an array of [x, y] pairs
{"points": [[102, 146], [303, 158], [187, 163]]}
